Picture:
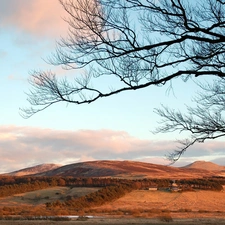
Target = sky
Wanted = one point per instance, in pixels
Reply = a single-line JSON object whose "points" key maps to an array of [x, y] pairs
{"points": [[116, 128]]}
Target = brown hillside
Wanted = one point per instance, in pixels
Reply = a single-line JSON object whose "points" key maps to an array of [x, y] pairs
{"points": [[126, 169], [34, 169], [205, 165]]}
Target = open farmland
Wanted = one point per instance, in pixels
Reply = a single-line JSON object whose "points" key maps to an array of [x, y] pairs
{"points": [[136, 204], [47, 195], [112, 200], [193, 204]]}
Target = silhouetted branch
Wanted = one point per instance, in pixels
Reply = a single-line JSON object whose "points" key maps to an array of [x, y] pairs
{"points": [[140, 44], [204, 122]]}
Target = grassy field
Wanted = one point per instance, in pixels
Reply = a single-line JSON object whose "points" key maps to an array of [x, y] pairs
{"points": [[193, 201], [137, 207], [46, 195], [143, 203]]}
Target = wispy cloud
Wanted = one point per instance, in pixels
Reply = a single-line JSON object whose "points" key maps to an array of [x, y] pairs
{"points": [[27, 146], [31, 28], [37, 17]]}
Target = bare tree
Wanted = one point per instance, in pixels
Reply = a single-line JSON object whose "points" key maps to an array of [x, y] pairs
{"points": [[138, 44], [205, 121]]}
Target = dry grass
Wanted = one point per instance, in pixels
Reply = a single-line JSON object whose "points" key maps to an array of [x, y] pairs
{"points": [[162, 205], [46, 195], [201, 203]]}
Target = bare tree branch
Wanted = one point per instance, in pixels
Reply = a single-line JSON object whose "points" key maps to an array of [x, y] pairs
{"points": [[204, 122], [140, 43]]}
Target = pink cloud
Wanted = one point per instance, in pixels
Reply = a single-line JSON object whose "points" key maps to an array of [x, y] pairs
{"points": [[37, 17], [27, 146]]}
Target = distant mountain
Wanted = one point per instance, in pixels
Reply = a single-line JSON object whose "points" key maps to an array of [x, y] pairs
{"points": [[34, 169], [205, 165], [124, 169]]}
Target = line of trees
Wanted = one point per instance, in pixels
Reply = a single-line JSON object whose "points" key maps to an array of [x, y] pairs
{"points": [[16, 185], [102, 196], [213, 184]]}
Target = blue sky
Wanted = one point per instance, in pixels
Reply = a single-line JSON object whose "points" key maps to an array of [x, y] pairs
{"points": [[117, 128]]}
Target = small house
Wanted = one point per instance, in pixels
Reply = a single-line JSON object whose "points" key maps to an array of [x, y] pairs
{"points": [[153, 188], [174, 187]]}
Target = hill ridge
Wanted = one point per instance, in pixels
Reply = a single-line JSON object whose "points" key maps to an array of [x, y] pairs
{"points": [[32, 170], [201, 164], [123, 169]]}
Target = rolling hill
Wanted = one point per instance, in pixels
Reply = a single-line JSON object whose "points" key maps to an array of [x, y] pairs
{"points": [[205, 165], [124, 169], [35, 169]]}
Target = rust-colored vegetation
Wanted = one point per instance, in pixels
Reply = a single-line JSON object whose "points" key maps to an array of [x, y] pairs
{"points": [[46, 196]]}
